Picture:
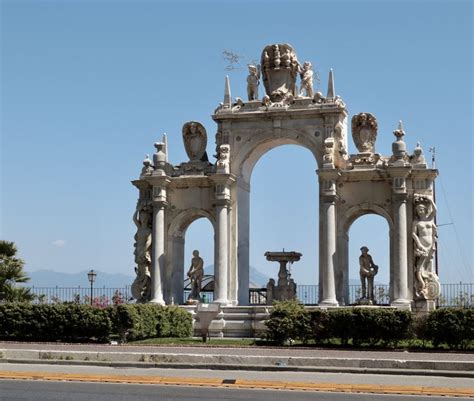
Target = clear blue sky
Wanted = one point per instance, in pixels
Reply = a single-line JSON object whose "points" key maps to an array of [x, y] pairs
{"points": [[87, 87]]}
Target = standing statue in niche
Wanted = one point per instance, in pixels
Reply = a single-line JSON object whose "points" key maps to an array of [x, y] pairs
{"points": [[195, 274], [141, 288], [306, 74], [368, 270], [424, 235], [253, 80]]}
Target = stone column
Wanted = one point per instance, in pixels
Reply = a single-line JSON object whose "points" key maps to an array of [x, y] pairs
{"points": [[177, 272], [222, 259], [221, 265], [342, 271], [400, 273], [243, 233], [158, 252], [329, 252]]}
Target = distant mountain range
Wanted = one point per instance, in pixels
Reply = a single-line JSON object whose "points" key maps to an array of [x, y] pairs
{"points": [[51, 278]]}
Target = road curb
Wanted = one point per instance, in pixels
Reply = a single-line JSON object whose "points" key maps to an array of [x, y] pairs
{"points": [[239, 383], [227, 361], [268, 368]]}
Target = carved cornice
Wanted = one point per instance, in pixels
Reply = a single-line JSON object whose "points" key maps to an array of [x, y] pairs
{"points": [[299, 107], [158, 180]]}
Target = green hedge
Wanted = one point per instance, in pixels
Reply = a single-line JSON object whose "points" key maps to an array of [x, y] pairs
{"points": [[137, 322], [58, 322], [73, 322], [453, 327], [291, 321], [288, 321]]}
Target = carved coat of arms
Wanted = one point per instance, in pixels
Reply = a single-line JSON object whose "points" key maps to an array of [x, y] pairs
{"points": [[364, 132], [279, 69], [195, 140]]}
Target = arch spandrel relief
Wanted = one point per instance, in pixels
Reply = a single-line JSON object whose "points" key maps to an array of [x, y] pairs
{"points": [[288, 111]]}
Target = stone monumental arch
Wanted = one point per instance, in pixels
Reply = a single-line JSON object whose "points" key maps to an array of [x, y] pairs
{"points": [[398, 187]]}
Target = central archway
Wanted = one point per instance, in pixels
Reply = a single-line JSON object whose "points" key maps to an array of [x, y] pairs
{"points": [[284, 213], [246, 160]]}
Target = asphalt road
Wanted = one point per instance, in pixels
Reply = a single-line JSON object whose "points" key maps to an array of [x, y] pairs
{"points": [[14, 390]]}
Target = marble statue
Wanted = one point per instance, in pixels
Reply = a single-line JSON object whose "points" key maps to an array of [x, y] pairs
{"points": [[306, 74], [195, 274], [418, 159], [223, 159], [368, 270], [364, 132], [270, 291], [143, 242], [253, 80], [424, 235], [195, 141], [147, 168]]}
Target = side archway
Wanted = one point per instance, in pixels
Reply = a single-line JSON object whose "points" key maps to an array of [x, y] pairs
{"points": [[176, 251], [346, 221]]}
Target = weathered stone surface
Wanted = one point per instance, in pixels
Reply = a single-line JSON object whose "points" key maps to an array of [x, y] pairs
{"points": [[350, 185]]}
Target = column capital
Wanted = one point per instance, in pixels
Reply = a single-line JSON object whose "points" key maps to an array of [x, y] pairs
{"points": [[328, 174], [332, 198], [400, 196], [160, 204], [223, 179], [222, 202]]}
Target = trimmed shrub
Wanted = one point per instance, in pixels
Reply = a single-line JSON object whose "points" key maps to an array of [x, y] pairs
{"points": [[451, 326], [361, 325], [319, 326], [180, 323], [339, 324], [141, 321], [74, 322], [388, 326], [63, 322], [288, 321]]}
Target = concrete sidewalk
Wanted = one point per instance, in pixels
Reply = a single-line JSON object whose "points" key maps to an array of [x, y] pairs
{"points": [[243, 358]]}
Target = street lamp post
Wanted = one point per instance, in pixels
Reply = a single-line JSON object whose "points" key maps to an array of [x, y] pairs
{"points": [[91, 276]]}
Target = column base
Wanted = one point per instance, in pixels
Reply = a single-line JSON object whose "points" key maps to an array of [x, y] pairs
{"points": [[224, 302], [404, 304], [329, 302], [158, 301]]}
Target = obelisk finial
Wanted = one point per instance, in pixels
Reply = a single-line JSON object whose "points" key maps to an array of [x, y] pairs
{"points": [[227, 96], [331, 91]]}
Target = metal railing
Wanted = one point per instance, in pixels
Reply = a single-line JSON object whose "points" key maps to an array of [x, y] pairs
{"points": [[452, 295], [100, 295]]}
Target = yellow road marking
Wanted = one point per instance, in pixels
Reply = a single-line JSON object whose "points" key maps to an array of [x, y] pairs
{"points": [[239, 383]]}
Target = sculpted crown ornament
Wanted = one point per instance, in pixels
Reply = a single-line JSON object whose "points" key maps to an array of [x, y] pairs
{"points": [[364, 132], [280, 68]]}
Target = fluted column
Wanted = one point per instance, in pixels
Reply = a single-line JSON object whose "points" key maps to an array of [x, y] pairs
{"points": [[158, 252], [329, 253], [222, 257], [400, 284], [327, 281]]}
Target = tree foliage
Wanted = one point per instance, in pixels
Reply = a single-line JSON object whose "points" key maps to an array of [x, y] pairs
{"points": [[11, 274]]}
